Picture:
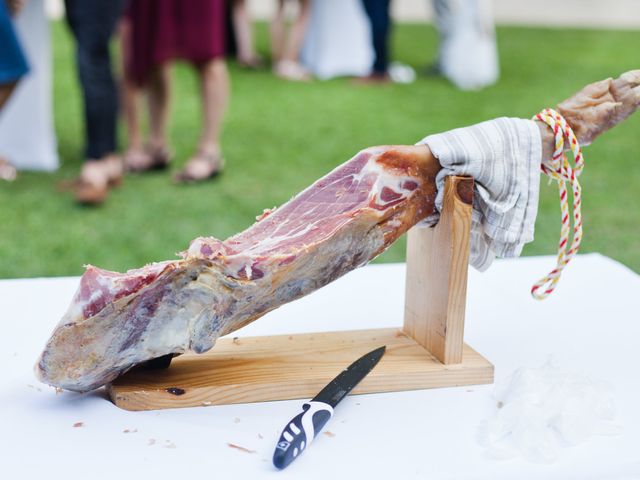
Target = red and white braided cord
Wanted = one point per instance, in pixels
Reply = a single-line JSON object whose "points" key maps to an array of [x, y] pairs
{"points": [[558, 168]]}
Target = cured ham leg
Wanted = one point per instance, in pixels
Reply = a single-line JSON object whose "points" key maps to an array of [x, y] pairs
{"points": [[342, 221], [337, 224]]}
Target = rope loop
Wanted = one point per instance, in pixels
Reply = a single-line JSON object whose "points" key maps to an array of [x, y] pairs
{"points": [[558, 168]]}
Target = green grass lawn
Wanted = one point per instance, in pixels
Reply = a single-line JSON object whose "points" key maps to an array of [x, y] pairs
{"points": [[279, 137]]}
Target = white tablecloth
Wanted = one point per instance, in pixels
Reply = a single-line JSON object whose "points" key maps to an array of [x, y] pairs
{"points": [[591, 325]]}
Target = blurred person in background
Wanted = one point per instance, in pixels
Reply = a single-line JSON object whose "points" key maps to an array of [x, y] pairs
{"points": [[467, 54], [338, 40], [286, 46], [155, 33], [242, 28], [92, 23], [13, 66], [380, 21], [27, 135]]}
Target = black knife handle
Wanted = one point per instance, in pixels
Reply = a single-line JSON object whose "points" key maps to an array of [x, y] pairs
{"points": [[300, 432]]}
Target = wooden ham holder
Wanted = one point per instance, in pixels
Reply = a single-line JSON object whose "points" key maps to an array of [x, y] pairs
{"points": [[427, 352]]}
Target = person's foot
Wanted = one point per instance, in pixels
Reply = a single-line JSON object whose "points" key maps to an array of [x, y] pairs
{"points": [[290, 70], [7, 171], [373, 79], [97, 176], [251, 63], [150, 158], [202, 166]]}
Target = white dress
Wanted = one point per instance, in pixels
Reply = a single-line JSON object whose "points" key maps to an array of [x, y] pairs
{"points": [[338, 40], [468, 55], [27, 136]]}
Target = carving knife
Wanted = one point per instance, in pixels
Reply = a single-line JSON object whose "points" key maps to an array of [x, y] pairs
{"points": [[305, 426]]}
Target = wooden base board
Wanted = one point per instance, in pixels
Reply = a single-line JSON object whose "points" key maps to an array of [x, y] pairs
{"points": [[256, 369]]}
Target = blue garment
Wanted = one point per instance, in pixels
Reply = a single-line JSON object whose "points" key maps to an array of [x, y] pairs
{"points": [[378, 13], [13, 64]]}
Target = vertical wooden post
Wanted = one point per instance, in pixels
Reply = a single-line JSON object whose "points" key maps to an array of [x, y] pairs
{"points": [[436, 282]]}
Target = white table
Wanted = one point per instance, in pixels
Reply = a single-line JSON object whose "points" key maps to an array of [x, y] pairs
{"points": [[591, 324]]}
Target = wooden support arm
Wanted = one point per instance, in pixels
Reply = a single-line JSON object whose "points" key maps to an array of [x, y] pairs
{"points": [[436, 285]]}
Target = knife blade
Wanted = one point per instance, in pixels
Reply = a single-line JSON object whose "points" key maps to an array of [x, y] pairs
{"points": [[305, 426]]}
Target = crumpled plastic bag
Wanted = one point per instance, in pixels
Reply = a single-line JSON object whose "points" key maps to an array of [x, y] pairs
{"points": [[539, 411]]}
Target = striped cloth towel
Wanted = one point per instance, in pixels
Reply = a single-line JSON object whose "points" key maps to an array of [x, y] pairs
{"points": [[503, 156]]}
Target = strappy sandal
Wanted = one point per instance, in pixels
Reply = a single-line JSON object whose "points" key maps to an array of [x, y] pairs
{"points": [[151, 158], [202, 166], [7, 171]]}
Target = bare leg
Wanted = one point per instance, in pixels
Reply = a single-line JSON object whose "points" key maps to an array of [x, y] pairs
{"points": [[596, 108], [214, 84], [244, 34], [6, 90], [277, 33], [296, 34], [135, 157], [159, 98], [288, 65], [130, 95], [7, 171]]}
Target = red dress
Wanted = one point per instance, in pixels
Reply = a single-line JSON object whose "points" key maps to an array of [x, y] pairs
{"points": [[161, 30]]}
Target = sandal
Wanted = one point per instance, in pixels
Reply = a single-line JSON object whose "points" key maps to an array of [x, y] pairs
{"points": [[253, 63], [7, 171], [143, 160], [202, 166], [290, 70], [97, 177]]}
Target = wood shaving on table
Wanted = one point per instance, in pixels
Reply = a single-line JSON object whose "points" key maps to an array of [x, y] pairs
{"points": [[78, 424], [238, 447], [329, 434]]}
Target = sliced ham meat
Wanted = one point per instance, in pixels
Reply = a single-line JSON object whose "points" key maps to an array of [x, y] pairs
{"points": [[342, 221]]}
